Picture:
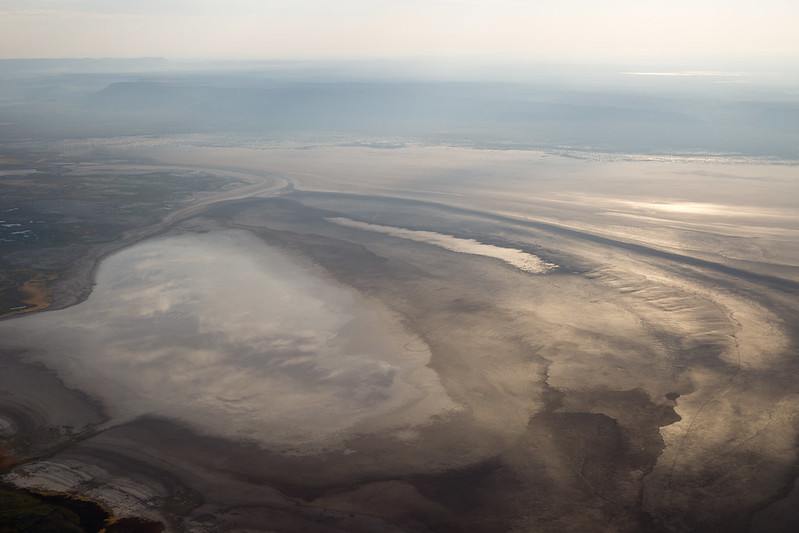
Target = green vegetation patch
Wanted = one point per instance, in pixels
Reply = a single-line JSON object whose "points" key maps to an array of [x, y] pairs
{"points": [[22, 511]]}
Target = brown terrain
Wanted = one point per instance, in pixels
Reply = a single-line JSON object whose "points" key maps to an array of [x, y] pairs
{"points": [[647, 381]]}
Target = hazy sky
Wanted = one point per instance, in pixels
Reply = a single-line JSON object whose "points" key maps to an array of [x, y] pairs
{"points": [[582, 30]]}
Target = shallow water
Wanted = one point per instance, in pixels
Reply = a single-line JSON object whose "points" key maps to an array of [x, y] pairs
{"points": [[236, 339]]}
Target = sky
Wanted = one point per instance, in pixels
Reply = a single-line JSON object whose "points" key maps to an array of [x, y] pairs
{"points": [[511, 30]]}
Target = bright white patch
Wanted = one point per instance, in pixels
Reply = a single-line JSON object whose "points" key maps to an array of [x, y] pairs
{"points": [[521, 260], [708, 209]]}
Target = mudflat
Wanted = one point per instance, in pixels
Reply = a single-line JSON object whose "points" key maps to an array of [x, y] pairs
{"points": [[253, 362]]}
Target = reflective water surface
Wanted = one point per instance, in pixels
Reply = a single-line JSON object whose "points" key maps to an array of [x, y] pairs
{"points": [[237, 339]]}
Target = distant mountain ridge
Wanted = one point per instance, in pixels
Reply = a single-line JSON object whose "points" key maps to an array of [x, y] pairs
{"points": [[54, 98]]}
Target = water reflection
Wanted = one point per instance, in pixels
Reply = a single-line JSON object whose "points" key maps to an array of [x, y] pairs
{"points": [[234, 337]]}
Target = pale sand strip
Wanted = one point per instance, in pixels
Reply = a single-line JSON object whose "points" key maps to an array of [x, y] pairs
{"points": [[516, 258]]}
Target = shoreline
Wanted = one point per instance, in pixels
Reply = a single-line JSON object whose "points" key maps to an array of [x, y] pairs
{"points": [[78, 281]]}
